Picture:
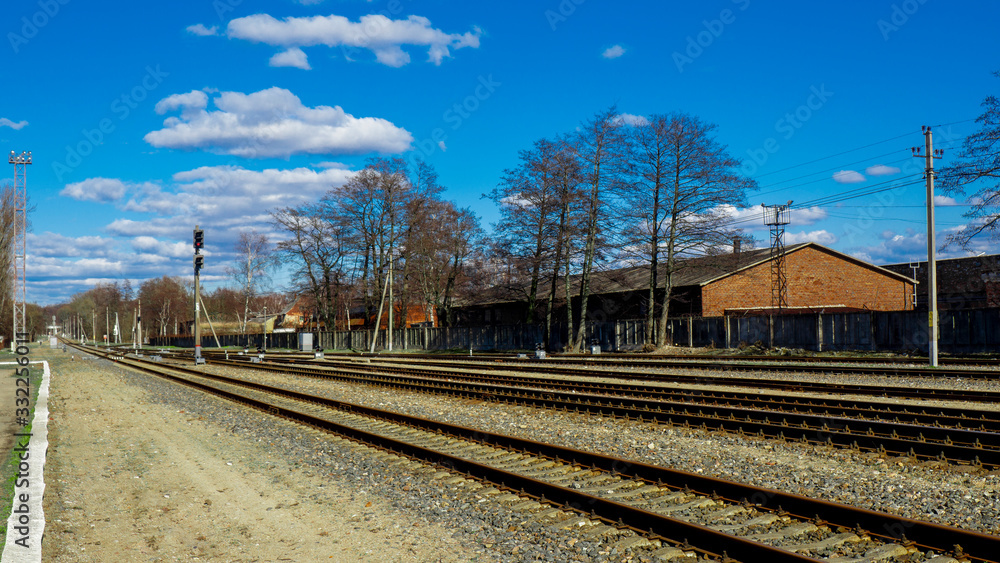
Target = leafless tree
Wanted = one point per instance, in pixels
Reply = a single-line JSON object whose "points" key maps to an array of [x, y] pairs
{"points": [[679, 179], [8, 234], [165, 301], [599, 147], [978, 167], [529, 206], [251, 268], [437, 254], [316, 249]]}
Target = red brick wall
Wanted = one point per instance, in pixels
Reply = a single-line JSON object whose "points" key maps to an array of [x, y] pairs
{"points": [[815, 278]]}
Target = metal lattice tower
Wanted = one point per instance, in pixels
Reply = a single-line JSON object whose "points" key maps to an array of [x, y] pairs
{"points": [[776, 217], [20, 249]]}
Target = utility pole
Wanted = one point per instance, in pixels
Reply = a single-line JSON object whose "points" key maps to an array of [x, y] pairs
{"points": [[932, 305], [392, 305], [199, 262]]}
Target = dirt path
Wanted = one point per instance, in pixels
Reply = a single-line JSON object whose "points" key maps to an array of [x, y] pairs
{"points": [[131, 480]]}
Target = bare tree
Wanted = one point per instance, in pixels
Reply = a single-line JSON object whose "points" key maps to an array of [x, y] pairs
{"points": [[251, 268], [8, 234], [599, 146], [680, 178], [529, 206], [437, 253], [165, 300], [978, 166], [316, 248]]}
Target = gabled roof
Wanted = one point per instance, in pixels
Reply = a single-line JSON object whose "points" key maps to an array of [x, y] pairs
{"points": [[764, 256], [690, 272]]}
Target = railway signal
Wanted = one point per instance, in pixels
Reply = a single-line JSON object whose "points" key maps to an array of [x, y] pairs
{"points": [[199, 263]]}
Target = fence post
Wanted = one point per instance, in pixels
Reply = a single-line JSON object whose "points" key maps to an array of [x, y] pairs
{"points": [[819, 332], [871, 330]]}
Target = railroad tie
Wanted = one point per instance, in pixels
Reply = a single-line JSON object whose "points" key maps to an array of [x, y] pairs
{"points": [[874, 555], [672, 554], [762, 520], [832, 541], [787, 532]]}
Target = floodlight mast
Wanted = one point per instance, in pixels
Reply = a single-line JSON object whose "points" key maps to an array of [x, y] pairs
{"points": [[776, 217], [19, 250]]}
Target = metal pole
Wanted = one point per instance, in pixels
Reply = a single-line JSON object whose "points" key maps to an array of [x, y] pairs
{"points": [[198, 241], [931, 257], [932, 304], [392, 305]]}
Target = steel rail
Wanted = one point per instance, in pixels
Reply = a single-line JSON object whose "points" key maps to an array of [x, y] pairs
{"points": [[931, 416], [964, 445], [926, 535]]}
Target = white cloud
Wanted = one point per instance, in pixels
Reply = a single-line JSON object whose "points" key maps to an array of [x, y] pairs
{"points": [[806, 216], [151, 245], [200, 29], [50, 245], [442, 146], [379, 34], [631, 119], [4, 122], [613, 52], [943, 201], [293, 57], [891, 247], [881, 170], [271, 123], [753, 217], [821, 236], [230, 195], [103, 189], [192, 102], [848, 177]]}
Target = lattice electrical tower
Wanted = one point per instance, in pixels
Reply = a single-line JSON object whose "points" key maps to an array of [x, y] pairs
{"points": [[20, 249], [776, 217]]}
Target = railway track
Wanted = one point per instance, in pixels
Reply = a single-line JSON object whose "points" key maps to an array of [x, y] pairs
{"points": [[947, 434], [677, 513], [822, 364]]}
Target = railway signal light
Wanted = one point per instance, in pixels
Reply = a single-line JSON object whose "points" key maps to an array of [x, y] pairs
{"points": [[199, 240], [199, 262]]}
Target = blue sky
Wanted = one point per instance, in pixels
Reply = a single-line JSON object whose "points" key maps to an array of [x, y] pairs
{"points": [[145, 119]]}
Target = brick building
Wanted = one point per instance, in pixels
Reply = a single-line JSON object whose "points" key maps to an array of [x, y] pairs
{"points": [[819, 279], [963, 283]]}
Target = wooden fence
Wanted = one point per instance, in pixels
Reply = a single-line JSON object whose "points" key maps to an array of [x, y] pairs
{"points": [[960, 332]]}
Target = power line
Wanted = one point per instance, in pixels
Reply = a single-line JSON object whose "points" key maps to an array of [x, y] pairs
{"points": [[836, 155]]}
